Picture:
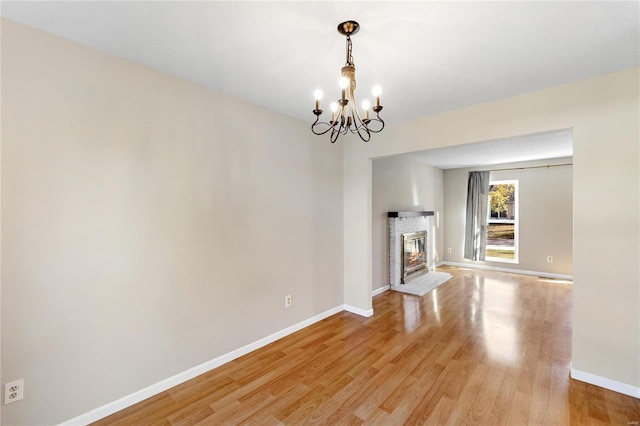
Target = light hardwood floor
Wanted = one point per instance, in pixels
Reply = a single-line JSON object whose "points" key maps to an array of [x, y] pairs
{"points": [[483, 348]]}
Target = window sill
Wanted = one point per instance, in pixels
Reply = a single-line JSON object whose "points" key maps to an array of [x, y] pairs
{"points": [[501, 260]]}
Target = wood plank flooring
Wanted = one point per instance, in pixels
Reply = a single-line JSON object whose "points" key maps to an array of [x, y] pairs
{"points": [[483, 348]]}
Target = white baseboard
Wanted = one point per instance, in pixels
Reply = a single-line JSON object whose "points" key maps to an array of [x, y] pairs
{"points": [[380, 290], [515, 271], [163, 385], [361, 312], [603, 382]]}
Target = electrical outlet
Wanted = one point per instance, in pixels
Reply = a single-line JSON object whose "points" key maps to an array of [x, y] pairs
{"points": [[449, 250], [287, 301], [550, 259], [13, 391]]}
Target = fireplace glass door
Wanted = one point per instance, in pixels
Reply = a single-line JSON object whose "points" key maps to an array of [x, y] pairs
{"points": [[414, 255]]}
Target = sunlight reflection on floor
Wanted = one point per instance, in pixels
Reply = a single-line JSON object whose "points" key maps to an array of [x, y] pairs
{"points": [[412, 312], [499, 331]]}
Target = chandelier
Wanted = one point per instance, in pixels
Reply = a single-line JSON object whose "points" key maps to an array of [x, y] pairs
{"points": [[345, 116]]}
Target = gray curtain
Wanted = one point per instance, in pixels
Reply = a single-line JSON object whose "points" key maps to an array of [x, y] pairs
{"points": [[475, 236]]}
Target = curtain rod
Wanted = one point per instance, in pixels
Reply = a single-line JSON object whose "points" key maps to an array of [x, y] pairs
{"points": [[533, 167]]}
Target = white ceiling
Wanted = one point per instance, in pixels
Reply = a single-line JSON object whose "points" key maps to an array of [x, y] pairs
{"points": [[541, 146], [429, 57]]}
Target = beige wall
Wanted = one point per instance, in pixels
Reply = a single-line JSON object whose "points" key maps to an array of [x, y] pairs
{"points": [[604, 115], [148, 225], [402, 184], [545, 215]]}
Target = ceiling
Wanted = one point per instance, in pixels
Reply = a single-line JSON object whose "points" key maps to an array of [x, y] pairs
{"points": [[429, 57], [540, 146]]}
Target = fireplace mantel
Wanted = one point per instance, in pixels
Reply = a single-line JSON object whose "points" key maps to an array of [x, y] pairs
{"points": [[408, 214]]}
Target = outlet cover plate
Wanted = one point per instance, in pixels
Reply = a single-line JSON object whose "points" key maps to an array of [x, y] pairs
{"points": [[13, 391]]}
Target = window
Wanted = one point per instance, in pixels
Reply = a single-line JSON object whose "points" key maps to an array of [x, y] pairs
{"points": [[502, 229]]}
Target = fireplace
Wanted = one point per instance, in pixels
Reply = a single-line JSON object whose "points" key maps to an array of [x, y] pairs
{"points": [[409, 223], [414, 255]]}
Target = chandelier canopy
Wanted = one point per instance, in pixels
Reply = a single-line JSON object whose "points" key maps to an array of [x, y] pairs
{"points": [[345, 116]]}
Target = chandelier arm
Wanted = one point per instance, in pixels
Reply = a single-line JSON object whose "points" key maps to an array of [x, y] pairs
{"points": [[367, 133], [357, 114], [344, 118], [319, 123], [337, 127], [379, 120], [360, 127], [334, 135], [372, 130], [367, 121], [346, 125], [356, 122]]}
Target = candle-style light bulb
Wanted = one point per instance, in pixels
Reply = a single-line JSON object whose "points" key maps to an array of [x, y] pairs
{"points": [[365, 106], [344, 83], [377, 90], [334, 108], [318, 96]]}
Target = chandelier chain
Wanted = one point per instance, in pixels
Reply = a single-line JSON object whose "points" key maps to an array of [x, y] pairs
{"points": [[349, 56]]}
